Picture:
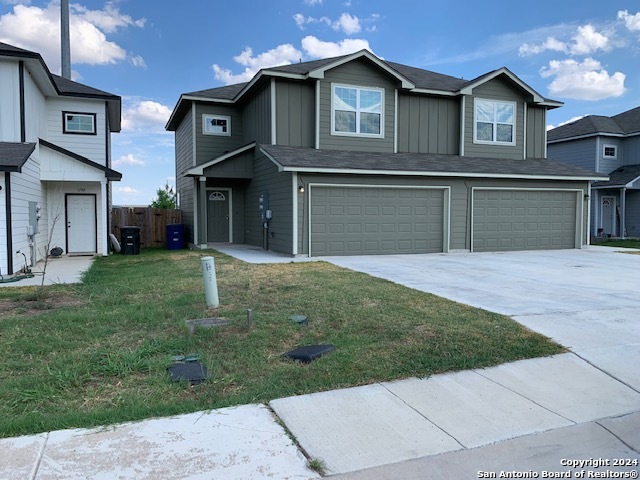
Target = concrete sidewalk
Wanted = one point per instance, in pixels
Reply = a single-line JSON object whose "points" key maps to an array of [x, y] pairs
{"points": [[527, 417], [65, 269]]}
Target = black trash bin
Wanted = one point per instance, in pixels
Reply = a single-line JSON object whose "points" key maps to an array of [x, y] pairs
{"points": [[175, 236], [130, 240]]}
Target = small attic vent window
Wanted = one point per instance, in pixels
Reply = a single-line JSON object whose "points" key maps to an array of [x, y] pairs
{"points": [[216, 125], [610, 151]]}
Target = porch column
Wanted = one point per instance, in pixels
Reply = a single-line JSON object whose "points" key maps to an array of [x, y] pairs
{"points": [[623, 213], [104, 238], [202, 211]]}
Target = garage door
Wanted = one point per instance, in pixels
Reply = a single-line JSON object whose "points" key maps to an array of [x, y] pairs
{"points": [[372, 220], [523, 220]]}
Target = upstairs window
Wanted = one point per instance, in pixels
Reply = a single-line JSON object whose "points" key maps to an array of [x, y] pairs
{"points": [[495, 122], [216, 125], [79, 123], [609, 151], [357, 111]]}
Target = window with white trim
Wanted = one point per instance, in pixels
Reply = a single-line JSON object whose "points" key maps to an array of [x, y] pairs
{"points": [[495, 122], [79, 123], [609, 151], [216, 124], [357, 111]]}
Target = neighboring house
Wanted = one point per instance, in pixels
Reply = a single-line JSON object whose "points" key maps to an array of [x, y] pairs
{"points": [[609, 145], [359, 155], [55, 159]]}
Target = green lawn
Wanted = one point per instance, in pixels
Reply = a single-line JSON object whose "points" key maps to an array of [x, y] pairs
{"points": [[97, 353], [617, 243]]}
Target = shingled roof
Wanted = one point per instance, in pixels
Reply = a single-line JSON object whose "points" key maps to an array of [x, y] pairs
{"points": [[625, 123], [620, 177], [13, 155], [334, 161]]}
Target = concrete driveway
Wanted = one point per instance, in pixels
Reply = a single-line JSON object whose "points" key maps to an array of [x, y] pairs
{"points": [[588, 300]]}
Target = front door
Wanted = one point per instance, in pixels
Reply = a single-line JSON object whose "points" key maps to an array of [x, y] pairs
{"points": [[218, 216], [81, 223], [608, 211]]}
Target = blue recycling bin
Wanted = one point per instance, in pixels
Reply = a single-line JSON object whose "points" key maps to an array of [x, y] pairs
{"points": [[175, 236]]}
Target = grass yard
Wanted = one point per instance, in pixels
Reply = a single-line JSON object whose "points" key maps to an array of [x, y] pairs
{"points": [[628, 243], [97, 353]]}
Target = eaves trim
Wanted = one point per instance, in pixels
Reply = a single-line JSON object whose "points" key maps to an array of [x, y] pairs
{"points": [[108, 172], [518, 176], [199, 170], [468, 89]]}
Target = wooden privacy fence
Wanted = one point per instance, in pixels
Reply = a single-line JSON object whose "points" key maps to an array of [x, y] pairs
{"points": [[152, 223]]}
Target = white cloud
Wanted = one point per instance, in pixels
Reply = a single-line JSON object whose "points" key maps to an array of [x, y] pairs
{"points": [[285, 55], [585, 41], [129, 159], [38, 29], [281, 55], [138, 61], [145, 115], [311, 3], [348, 24], [316, 48], [128, 191], [549, 44], [583, 81], [632, 22], [107, 20], [302, 21]]}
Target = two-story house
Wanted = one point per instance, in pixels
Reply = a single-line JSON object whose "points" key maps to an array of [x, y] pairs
{"points": [[55, 162], [609, 145], [359, 155]]}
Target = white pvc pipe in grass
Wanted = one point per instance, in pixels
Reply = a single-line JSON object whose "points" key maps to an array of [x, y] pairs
{"points": [[210, 282]]}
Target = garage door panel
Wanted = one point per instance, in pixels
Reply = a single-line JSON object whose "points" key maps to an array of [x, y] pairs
{"points": [[376, 220], [530, 220]]}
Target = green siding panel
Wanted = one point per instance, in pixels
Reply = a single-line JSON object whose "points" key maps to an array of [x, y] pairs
{"points": [[495, 89], [428, 124], [212, 146], [359, 73], [278, 185], [295, 117]]}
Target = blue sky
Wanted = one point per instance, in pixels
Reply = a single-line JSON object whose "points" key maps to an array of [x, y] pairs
{"points": [[585, 53]]}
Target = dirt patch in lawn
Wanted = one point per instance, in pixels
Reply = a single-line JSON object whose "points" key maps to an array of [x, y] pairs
{"points": [[29, 306]]}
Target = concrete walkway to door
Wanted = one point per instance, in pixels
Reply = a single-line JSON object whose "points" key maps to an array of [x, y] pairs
{"points": [[588, 300]]}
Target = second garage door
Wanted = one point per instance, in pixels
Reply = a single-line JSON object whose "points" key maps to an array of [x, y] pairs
{"points": [[523, 219], [376, 220]]}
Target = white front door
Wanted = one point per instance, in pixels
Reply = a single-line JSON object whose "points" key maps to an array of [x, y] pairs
{"points": [[81, 223], [608, 212]]}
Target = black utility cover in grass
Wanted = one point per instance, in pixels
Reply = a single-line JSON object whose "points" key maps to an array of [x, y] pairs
{"points": [[194, 372], [309, 353]]}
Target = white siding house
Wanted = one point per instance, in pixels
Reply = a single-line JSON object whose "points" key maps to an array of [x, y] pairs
{"points": [[55, 162]]}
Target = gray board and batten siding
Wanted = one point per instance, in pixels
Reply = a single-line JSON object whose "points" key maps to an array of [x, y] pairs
{"points": [[495, 89], [360, 74], [212, 146], [295, 117], [185, 185], [428, 124], [536, 132], [256, 115], [278, 185]]}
